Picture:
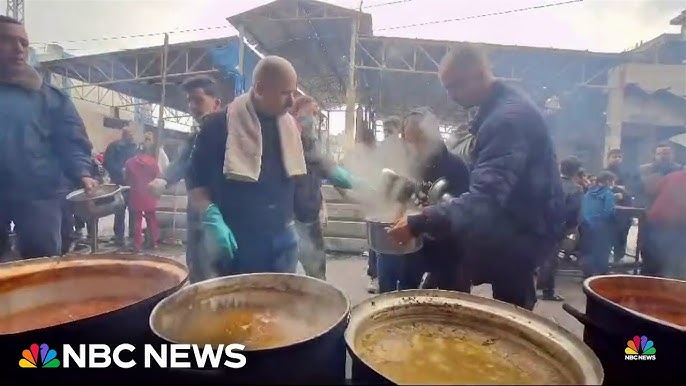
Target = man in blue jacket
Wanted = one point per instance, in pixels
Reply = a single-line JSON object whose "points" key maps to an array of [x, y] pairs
{"points": [[203, 99], [43, 143], [512, 216]]}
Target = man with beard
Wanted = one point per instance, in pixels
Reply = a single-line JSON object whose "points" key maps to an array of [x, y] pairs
{"points": [[652, 180], [623, 186], [203, 98], [511, 218], [116, 155], [243, 171], [43, 144], [431, 161]]}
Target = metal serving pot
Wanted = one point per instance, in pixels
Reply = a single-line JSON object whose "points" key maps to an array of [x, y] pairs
{"points": [[439, 192], [317, 355], [620, 307], [521, 337], [36, 285], [381, 242], [103, 201]]}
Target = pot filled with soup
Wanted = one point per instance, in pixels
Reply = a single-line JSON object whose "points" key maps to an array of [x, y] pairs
{"points": [[291, 326], [635, 324], [82, 300], [451, 338]]}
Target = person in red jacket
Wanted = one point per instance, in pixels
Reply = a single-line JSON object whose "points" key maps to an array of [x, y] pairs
{"points": [[139, 172], [667, 220]]}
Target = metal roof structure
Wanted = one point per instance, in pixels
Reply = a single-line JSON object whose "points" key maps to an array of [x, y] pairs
{"points": [[137, 75], [394, 74], [313, 35]]}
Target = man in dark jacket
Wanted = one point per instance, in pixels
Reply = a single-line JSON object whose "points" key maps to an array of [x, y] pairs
{"points": [[624, 186], [116, 155], [511, 218], [43, 143], [440, 257], [573, 193], [203, 99], [308, 190]]}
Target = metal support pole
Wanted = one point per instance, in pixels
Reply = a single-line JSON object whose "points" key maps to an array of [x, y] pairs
{"points": [[350, 92], [163, 96], [241, 50]]}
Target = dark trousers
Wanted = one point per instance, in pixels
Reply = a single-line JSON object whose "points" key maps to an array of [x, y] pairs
{"points": [[258, 252], [119, 217], [509, 267], [37, 224], [664, 252], [396, 273], [371, 264], [546, 276], [596, 246], [68, 222], [5, 240], [196, 270], [312, 254], [621, 232]]}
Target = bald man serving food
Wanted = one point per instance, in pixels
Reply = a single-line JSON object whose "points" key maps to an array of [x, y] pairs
{"points": [[243, 168]]}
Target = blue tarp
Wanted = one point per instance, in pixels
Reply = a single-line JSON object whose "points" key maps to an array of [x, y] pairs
{"points": [[225, 59]]}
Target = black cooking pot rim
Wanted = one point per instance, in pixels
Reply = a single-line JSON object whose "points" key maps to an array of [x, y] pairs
{"points": [[123, 257], [625, 310], [342, 319]]}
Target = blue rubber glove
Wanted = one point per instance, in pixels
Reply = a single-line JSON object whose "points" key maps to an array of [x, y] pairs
{"points": [[340, 178], [220, 239]]}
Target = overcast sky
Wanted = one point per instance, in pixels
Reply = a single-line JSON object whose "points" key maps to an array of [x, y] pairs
{"points": [[596, 25]]}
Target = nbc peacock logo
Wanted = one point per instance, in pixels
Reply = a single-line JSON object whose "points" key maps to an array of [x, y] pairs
{"points": [[39, 356], [640, 348]]}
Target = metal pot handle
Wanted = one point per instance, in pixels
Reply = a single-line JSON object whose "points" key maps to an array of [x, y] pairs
{"points": [[578, 315], [585, 320]]}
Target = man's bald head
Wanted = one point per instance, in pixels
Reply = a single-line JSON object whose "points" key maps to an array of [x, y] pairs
{"points": [[274, 83], [466, 74]]}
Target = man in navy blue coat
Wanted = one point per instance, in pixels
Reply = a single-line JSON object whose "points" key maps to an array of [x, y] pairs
{"points": [[512, 215], [43, 144]]}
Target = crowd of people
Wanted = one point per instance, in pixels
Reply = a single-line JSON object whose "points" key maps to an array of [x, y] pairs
{"points": [[254, 173]]}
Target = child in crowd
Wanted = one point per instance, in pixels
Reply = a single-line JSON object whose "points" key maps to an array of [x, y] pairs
{"points": [[139, 172], [598, 211]]}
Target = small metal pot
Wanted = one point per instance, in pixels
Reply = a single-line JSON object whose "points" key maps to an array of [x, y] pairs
{"points": [[381, 242], [439, 192], [104, 201]]}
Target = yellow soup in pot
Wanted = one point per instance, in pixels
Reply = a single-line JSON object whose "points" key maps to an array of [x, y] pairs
{"points": [[255, 327], [436, 353]]}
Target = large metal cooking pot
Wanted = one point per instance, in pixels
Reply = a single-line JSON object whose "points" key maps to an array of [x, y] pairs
{"points": [[381, 242], [620, 307], [549, 353], [103, 201], [317, 353], [31, 286]]}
